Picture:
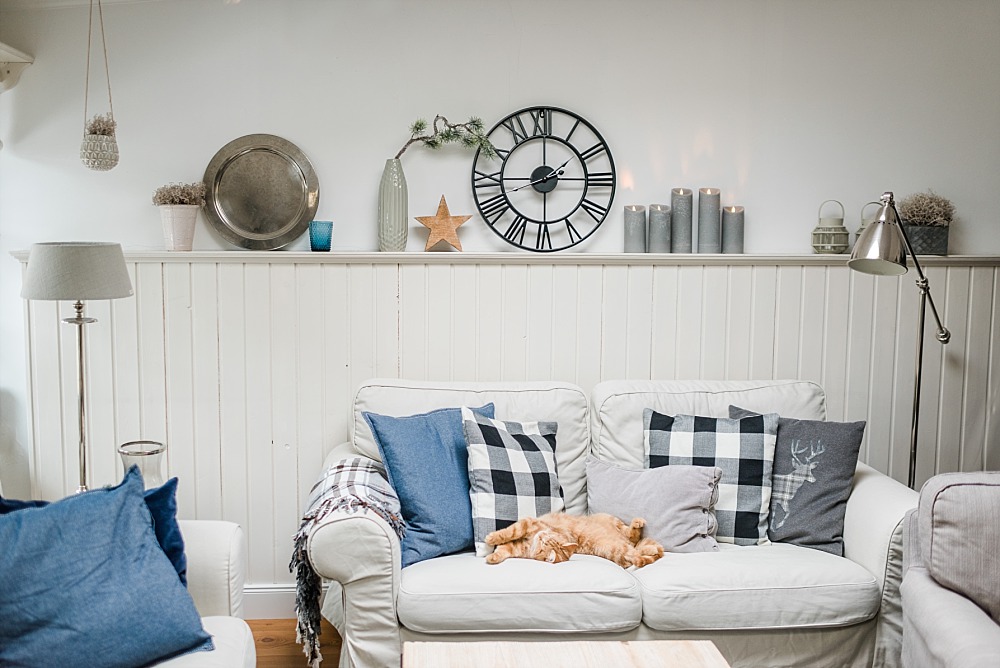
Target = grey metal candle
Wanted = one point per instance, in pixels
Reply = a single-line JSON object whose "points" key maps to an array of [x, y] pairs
{"points": [[635, 229], [732, 229], [709, 240], [658, 234], [680, 220]]}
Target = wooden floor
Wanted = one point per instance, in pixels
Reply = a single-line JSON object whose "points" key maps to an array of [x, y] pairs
{"points": [[276, 646]]}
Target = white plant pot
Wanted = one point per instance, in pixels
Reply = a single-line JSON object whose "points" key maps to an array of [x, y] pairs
{"points": [[178, 225]]}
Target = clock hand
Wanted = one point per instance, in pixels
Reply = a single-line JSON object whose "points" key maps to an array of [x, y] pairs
{"points": [[558, 171]]}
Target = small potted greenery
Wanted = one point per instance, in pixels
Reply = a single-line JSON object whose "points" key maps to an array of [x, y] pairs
{"points": [[99, 149], [926, 218], [392, 195], [179, 204]]}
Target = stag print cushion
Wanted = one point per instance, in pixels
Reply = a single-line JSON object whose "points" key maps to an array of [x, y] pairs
{"points": [[742, 448], [814, 464]]}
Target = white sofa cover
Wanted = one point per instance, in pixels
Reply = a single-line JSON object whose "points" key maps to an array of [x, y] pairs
{"points": [[775, 605], [216, 572]]}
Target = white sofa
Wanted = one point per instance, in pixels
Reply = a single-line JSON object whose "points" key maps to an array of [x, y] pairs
{"points": [[216, 571], [775, 605]]}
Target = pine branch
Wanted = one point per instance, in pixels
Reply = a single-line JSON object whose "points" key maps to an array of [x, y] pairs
{"points": [[443, 132]]}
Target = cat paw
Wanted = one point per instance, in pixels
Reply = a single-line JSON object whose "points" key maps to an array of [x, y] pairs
{"points": [[638, 523], [646, 552], [494, 558]]}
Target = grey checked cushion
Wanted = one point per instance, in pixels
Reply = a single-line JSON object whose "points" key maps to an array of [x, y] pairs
{"points": [[743, 449], [512, 473]]}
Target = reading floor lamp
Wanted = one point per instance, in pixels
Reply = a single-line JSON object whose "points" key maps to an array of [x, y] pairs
{"points": [[881, 250], [73, 271]]}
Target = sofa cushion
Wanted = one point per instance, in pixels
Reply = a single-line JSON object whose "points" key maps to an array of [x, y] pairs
{"points": [[776, 586], [162, 504], [526, 401], [427, 463], [743, 449], [958, 535], [512, 473], [814, 463], [617, 405], [462, 593], [85, 577], [677, 502], [234, 647]]}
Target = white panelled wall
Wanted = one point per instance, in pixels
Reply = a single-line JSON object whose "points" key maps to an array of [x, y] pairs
{"points": [[245, 364]]}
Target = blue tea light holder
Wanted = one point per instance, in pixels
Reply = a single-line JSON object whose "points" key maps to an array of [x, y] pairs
{"points": [[320, 234]]}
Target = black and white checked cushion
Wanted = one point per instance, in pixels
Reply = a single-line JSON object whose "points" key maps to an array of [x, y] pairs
{"points": [[743, 449], [512, 473]]}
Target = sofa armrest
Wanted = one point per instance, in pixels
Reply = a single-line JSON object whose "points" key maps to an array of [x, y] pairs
{"points": [[944, 629], [359, 552], [873, 537], [217, 565]]}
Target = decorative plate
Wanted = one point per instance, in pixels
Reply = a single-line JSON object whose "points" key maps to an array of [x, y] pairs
{"points": [[261, 192]]}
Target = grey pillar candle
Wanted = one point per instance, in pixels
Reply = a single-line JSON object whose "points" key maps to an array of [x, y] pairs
{"points": [[732, 229], [658, 235], [635, 229], [709, 240], [680, 220]]}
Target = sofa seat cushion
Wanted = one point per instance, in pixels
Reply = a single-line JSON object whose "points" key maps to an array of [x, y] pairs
{"points": [[777, 586], [234, 646], [462, 593]]}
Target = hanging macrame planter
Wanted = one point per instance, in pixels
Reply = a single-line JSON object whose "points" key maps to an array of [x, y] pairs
{"points": [[99, 149]]}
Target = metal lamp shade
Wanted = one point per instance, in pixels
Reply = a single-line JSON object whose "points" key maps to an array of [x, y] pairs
{"points": [[76, 271], [880, 249]]}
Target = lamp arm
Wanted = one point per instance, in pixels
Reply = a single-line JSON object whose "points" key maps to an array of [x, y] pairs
{"points": [[943, 335]]}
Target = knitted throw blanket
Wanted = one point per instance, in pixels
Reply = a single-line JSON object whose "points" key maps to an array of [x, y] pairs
{"points": [[350, 485]]}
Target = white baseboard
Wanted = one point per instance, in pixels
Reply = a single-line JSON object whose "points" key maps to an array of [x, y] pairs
{"points": [[269, 601]]}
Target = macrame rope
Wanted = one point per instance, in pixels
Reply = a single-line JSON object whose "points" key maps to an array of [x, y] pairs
{"points": [[107, 71]]}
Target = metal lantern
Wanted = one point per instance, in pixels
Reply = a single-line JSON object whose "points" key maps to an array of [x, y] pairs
{"points": [[830, 235]]}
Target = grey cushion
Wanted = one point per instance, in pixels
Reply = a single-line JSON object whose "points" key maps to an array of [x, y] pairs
{"points": [[959, 536], [677, 502], [814, 463]]}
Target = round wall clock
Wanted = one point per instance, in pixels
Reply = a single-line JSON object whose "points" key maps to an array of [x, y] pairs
{"points": [[552, 182]]}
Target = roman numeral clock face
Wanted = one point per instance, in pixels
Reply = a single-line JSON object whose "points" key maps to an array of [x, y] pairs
{"points": [[551, 184]]}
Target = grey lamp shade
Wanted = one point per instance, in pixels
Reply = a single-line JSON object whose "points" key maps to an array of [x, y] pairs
{"points": [[72, 271], [880, 250]]}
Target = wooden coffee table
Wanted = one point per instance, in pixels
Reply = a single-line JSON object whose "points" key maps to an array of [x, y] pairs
{"points": [[569, 654]]}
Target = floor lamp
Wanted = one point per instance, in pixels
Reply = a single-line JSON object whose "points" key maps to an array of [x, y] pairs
{"points": [[881, 250], [75, 271]]}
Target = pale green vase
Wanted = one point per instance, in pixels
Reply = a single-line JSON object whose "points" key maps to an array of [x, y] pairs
{"points": [[392, 203]]}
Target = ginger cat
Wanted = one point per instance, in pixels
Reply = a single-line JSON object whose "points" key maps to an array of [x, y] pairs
{"points": [[556, 537]]}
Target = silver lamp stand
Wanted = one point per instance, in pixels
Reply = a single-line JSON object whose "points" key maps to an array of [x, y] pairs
{"points": [[881, 250], [77, 271]]}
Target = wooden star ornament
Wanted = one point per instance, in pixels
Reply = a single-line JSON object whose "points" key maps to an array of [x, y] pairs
{"points": [[443, 226]]}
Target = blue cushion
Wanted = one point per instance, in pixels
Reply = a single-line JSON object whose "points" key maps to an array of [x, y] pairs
{"points": [[83, 579], [162, 504], [426, 458]]}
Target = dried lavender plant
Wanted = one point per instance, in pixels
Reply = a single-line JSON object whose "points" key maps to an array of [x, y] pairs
{"points": [[102, 124], [180, 193], [927, 209]]}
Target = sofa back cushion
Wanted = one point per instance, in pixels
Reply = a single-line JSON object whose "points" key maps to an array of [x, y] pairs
{"points": [[959, 539], [528, 401], [617, 406]]}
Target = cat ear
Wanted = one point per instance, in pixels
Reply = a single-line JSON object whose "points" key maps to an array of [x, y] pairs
{"points": [[570, 548]]}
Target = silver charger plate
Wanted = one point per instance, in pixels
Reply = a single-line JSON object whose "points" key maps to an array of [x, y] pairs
{"points": [[261, 192]]}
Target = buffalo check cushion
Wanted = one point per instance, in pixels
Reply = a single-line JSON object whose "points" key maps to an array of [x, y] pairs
{"points": [[512, 473], [742, 448]]}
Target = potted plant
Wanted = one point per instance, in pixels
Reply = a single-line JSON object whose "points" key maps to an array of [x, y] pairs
{"points": [[926, 218], [392, 195], [99, 149], [179, 204]]}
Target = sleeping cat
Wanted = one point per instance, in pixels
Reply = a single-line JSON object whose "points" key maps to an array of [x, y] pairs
{"points": [[556, 537]]}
